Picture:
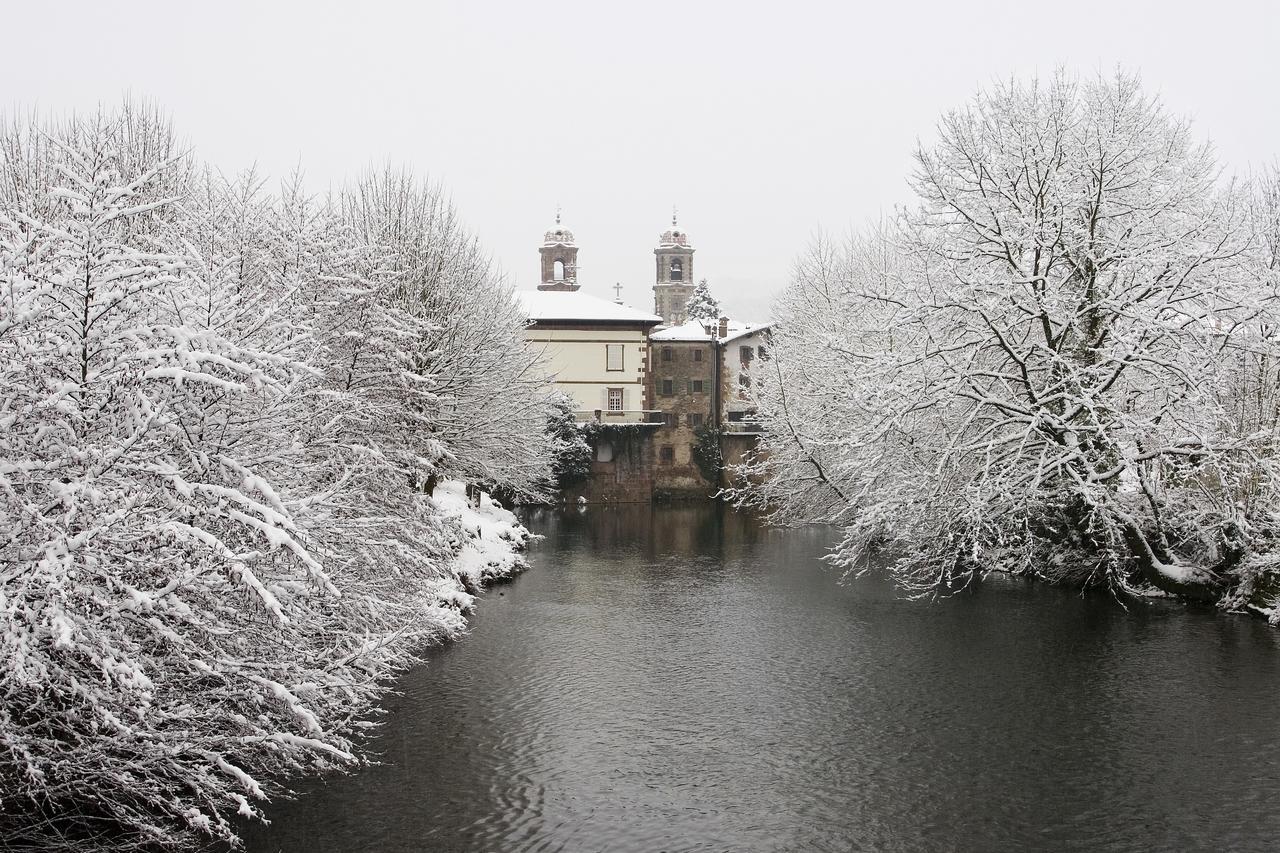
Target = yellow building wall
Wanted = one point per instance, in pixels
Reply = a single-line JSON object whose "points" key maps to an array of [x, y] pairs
{"points": [[577, 360]]}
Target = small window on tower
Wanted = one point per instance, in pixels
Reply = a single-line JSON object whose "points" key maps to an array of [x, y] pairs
{"points": [[677, 269], [557, 270]]}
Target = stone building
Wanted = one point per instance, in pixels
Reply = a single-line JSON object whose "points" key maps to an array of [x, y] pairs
{"points": [[700, 375], [683, 387], [646, 385], [674, 282], [559, 259]]}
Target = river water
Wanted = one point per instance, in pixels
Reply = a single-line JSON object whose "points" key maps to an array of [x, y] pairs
{"points": [[681, 679]]}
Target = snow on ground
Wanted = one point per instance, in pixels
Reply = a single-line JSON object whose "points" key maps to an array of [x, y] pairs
{"points": [[491, 548]]}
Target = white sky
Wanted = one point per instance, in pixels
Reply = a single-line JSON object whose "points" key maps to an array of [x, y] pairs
{"points": [[763, 122]]}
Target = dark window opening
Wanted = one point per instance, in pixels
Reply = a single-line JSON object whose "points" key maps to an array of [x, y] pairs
{"points": [[746, 354], [666, 454], [666, 353], [677, 269], [696, 386], [697, 355], [667, 388], [695, 421]]}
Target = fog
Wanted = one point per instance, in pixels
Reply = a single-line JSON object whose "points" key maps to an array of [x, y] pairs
{"points": [[762, 122]]}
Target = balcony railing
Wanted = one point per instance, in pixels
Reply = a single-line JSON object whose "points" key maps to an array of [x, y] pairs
{"points": [[625, 416], [744, 427]]}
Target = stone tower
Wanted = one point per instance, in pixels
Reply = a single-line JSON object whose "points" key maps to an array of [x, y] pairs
{"points": [[675, 274], [559, 259]]}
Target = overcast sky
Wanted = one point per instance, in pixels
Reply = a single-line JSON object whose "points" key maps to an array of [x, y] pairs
{"points": [[763, 122]]}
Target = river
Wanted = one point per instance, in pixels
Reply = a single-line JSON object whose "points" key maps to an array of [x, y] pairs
{"points": [[683, 679]]}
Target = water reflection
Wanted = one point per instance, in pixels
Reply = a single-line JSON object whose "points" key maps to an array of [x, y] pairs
{"points": [[679, 678]]}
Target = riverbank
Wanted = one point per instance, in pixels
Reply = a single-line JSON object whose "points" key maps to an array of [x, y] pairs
{"points": [[492, 549]]}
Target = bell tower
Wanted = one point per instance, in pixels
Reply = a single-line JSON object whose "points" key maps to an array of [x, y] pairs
{"points": [[559, 259], [674, 283]]}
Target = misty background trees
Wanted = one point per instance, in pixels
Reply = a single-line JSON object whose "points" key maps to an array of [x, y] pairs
{"points": [[1061, 361], [224, 411]]}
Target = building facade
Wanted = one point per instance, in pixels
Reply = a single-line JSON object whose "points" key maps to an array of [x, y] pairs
{"points": [[701, 376], [683, 387], [596, 350], [674, 281], [745, 351], [653, 391]]}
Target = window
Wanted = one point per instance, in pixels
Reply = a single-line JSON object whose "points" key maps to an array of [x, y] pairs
{"points": [[735, 417], [613, 356], [744, 379], [695, 386], [697, 355], [677, 269], [666, 353], [671, 419], [557, 270], [615, 399], [762, 353], [666, 454], [746, 354], [695, 420], [667, 388]]}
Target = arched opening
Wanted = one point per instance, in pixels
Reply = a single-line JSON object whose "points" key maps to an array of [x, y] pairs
{"points": [[557, 270], [677, 269]]}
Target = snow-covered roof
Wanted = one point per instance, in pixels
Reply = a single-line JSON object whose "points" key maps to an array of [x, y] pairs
{"points": [[706, 330], [576, 305]]}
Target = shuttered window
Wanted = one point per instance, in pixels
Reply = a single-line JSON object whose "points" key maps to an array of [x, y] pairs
{"points": [[613, 356]]}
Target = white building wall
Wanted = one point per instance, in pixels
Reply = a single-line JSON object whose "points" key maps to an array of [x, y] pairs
{"points": [[737, 397], [577, 359]]}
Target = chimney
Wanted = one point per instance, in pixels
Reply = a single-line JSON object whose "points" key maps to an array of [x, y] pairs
{"points": [[724, 328]]}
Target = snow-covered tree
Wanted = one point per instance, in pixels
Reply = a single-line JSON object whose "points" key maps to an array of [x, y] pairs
{"points": [[482, 397], [214, 433], [1033, 369], [702, 305], [572, 461]]}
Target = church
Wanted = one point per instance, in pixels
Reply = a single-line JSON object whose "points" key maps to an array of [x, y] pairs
{"points": [[655, 391]]}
